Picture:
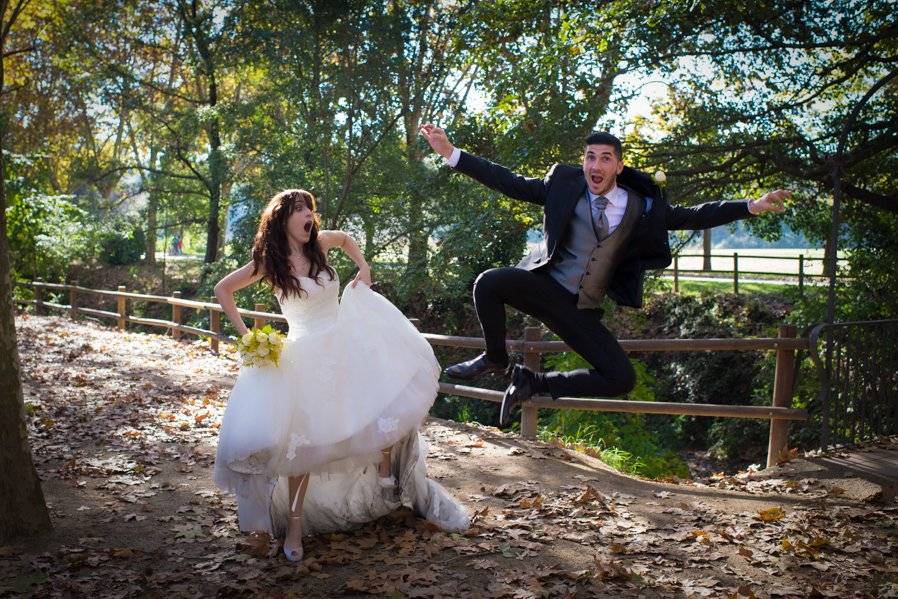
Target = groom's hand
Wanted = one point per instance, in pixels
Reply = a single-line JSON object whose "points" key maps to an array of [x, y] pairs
{"points": [[770, 202], [437, 139]]}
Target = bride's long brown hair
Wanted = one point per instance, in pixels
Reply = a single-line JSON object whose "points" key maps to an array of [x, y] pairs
{"points": [[271, 248]]}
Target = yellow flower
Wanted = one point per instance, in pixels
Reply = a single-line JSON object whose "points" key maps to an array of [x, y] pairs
{"points": [[275, 338], [262, 350], [247, 338]]}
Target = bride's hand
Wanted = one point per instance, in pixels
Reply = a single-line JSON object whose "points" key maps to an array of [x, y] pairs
{"points": [[364, 276]]}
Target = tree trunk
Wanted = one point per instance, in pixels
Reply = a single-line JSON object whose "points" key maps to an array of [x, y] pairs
{"points": [[152, 204], [706, 247], [24, 511], [416, 267], [827, 253], [212, 226], [150, 257], [368, 225], [197, 27]]}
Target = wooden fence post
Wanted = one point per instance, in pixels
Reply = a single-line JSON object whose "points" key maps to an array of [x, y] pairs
{"points": [[73, 300], [176, 316], [676, 274], [39, 298], [801, 275], [260, 321], [529, 412], [122, 302], [214, 326], [735, 273], [783, 380]]}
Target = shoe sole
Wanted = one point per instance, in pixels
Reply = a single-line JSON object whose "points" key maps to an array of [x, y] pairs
{"points": [[504, 372]]}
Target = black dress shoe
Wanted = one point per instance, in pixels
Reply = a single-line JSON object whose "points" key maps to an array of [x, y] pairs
{"points": [[520, 390], [474, 368]]}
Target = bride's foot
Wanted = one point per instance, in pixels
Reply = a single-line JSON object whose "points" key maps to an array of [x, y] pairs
{"points": [[293, 541]]}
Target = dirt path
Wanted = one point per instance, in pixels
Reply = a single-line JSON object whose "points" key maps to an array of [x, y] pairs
{"points": [[123, 429]]}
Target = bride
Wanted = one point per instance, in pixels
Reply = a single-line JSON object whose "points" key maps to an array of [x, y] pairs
{"points": [[328, 439]]}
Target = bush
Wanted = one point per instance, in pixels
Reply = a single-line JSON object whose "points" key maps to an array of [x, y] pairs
{"points": [[46, 234], [122, 243], [626, 442], [732, 378]]}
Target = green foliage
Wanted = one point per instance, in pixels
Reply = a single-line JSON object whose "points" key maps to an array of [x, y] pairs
{"points": [[46, 233], [624, 441], [729, 378], [121, 243], [462, 409], [746, 118]]}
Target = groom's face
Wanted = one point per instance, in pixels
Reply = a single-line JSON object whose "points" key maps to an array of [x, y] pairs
{"points": [[601, 166]]}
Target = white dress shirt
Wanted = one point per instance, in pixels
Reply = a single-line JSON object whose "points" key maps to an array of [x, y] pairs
{"points": [[617, 205]]}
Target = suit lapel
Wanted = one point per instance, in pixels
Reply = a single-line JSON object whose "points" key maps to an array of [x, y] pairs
{"points": [[577, 189]]}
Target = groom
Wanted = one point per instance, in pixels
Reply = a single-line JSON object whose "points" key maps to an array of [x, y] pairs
{"points": [[604, 225]]}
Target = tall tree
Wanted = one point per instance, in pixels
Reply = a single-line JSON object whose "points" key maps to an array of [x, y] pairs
{"points": [[797, 94], [24, 511], [205, 35], [797, 89]]}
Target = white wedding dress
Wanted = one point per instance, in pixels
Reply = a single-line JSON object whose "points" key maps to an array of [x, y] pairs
{"points": [[355, 377]]}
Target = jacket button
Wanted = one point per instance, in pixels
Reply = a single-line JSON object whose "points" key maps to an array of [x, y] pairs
{"points": [[592, 259]]}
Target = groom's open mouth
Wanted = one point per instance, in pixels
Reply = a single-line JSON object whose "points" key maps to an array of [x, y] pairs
{"points": [[596, 179]]}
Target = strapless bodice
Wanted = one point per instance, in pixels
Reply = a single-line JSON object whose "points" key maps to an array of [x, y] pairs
{"points": [[315, 309]]}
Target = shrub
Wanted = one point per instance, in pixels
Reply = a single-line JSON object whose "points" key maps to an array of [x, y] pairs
{"points": [[121, 243], [626, 442], [46, 234]]}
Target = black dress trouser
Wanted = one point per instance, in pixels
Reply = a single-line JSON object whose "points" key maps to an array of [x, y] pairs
{"points": [[536, 293]]}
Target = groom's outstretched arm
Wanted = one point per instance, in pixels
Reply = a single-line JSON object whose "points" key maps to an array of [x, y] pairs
{"points": [[713, 214], [495, 176]]}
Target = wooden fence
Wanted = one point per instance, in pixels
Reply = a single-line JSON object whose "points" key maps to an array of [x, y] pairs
{"points": [[779, 413], [800, 273]]}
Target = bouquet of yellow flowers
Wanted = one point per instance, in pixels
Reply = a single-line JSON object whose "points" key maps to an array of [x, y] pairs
{"points": [[261, 347]]}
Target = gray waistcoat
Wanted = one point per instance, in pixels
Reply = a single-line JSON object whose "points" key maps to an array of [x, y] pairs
{"points": [[584, 266]]}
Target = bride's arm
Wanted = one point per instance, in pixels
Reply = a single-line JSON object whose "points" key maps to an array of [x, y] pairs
{"points": [[332, 239], [224, 293]]}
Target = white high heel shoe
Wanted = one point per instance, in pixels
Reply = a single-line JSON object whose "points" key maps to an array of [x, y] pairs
{"points": [[291, 553]]}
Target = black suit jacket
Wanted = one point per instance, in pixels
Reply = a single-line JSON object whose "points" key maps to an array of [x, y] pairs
{"points": [[558, 192]]}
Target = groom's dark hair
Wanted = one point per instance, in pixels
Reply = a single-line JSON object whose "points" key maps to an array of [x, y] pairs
{"points": [[606, 139]]}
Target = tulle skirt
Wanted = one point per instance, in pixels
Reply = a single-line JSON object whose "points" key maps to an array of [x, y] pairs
{"points": [[349, 384]]}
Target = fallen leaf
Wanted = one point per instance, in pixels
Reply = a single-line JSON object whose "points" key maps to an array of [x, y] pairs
{"points": [[773, 514]]}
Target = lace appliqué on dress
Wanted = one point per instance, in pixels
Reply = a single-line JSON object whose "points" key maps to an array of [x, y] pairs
{"points": [[387, 425], [296, 440]]}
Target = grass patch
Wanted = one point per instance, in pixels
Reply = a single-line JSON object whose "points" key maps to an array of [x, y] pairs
{"points": [[646, 459], [723, 286]]}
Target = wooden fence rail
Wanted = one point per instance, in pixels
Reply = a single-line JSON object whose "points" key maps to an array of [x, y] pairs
{"points": [[801, 274], [779, 413]]}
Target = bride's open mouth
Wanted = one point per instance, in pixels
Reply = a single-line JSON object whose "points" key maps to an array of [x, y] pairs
{"points": [[307, 227]]}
